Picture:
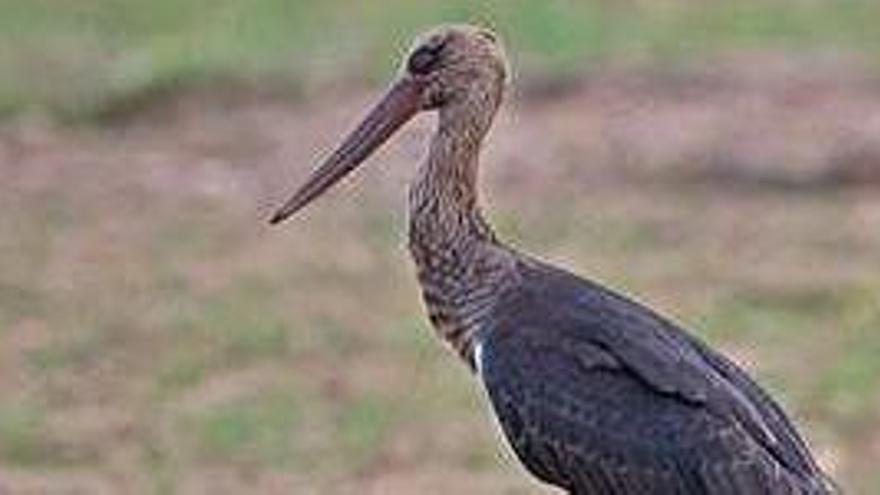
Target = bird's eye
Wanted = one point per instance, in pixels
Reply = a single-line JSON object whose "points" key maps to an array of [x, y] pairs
{"points": [[425, 59]]}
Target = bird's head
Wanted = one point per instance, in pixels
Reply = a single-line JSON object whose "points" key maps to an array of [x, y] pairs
{"points": [[456, 64], [453, 69]]}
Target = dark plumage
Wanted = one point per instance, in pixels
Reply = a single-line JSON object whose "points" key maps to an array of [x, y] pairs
{"points": [[596, 393]]}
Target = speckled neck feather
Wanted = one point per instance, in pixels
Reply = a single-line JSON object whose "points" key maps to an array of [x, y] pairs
{"points": [[461, 266]]}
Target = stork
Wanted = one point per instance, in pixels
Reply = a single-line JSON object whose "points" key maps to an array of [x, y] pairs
{"points": [[596, 393]]}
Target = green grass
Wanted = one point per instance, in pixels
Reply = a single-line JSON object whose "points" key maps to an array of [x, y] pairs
{"points": [[22, 435], [28, 441], [848, 387], [362, 427], [227, 331], [18, 302], [78, 349], [184, 368], [257, 428], [97, 58]]}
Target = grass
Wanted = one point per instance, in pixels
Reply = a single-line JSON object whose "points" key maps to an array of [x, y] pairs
{"points": [[848, 387], [22, 435], [99, 58], [362, 428], [256, 428], [240, 326]]}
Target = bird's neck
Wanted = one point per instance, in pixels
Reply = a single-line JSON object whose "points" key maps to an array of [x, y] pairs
{"points": [[461, 266], [444, 207]]}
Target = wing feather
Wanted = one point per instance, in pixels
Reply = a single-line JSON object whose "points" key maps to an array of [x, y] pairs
{"points": [[598, 394]]}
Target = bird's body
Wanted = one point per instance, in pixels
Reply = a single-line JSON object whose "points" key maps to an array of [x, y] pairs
{"points": [[598, 394], [595, 393]]}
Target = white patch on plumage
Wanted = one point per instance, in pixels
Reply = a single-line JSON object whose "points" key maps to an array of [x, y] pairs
{"points": [[478, 357]]}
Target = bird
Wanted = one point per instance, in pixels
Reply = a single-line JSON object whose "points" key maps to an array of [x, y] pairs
{"points": [[594, 392]]}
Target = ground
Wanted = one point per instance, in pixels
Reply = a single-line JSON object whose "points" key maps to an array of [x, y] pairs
{"points": [[157, 336]]}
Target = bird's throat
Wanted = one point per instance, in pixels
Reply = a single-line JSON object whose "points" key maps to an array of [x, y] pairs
{"points": [[461, 266], [444, 205]]}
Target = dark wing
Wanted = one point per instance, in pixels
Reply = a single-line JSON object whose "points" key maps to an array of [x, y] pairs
{"points": [[597, 394]]}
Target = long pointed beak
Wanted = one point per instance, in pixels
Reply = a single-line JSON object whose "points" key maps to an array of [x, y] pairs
{"points": [[400, 103]]}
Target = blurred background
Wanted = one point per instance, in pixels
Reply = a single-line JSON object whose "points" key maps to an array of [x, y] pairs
{"points": [[717, 160]]}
